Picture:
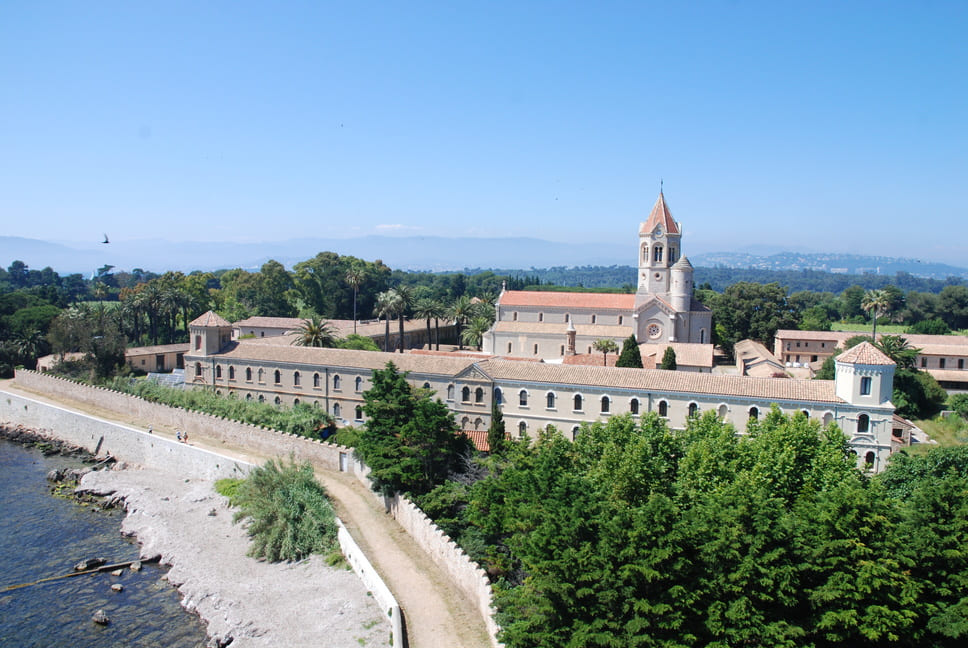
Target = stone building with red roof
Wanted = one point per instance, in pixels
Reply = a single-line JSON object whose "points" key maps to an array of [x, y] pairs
{"points": [[552, 325], [535, 394]]}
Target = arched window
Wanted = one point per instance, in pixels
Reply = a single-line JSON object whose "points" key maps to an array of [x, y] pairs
{"points": [[248, 374], [567, 317], [863, 423], [450, 392], [702, 336], [509, 347], [218, 392], [295, 378], [465, 394], [828, 418], [337, 381], [231, 373], [805, 413], [754, 413], [336, 410], [262, 398], [359, 413], [218, 371], [606, 404], [620, 320], [594, 318], [634, 406], [551, 400], [645, 254], [657, 254], [277, 376], [522, 429], [577, 403], [359, 384], [869, 459], [693, 409], [464, 422], [663, 408], [498, 396], [295, 402], [574, 432], [248, 397], [722, 411], [426, 385], [198, 368], [478, 423], [478, 395], [278, 400], [540, 317], [261, 374], [523, 398], [514, 316], [316, 380], [316, 404], [198, 342]]}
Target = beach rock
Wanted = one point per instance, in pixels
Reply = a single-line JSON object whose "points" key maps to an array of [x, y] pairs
{"points": [[55, 475], [117, 587], [100, 618], [136, 566], [90, 563], [117, 572]]}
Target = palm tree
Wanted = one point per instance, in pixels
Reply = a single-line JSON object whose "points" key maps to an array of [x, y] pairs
{"points": [[355, 277], [473, 335], [314, 332], [460, 311], [404, 300], [428, 309], [605, 346], [386, 307], [877, 302]]}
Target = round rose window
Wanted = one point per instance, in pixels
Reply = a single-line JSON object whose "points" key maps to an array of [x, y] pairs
{"points": [[654, 331]]}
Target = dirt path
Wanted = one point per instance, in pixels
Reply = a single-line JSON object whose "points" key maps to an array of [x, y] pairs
{"points": [[436, 613]]}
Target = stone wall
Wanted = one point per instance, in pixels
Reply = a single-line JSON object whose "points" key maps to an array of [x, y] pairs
{"points": [[465, 573]]}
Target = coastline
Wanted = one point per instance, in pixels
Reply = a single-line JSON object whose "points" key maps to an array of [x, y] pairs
{"points": [[245, 602]]}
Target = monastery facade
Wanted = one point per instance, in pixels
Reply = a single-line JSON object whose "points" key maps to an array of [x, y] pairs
{"points": [[533, 394]]}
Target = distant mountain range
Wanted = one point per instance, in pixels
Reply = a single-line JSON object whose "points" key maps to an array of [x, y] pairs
{"points": [[429, 253]]}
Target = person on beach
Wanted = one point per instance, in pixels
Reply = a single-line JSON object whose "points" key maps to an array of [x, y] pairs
{"points": [[178, 435], [150, 430], [185, 437]]}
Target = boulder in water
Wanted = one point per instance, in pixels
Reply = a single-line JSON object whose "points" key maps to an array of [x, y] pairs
{"points": [[90, 563], [100, 618]]}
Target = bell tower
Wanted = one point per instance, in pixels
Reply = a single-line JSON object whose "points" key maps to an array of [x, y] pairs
{"points": [[659, 249]]}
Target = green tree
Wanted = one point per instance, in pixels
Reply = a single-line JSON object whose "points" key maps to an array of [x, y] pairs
{"points": [[495, 431], [460, 311], [410, 442], [355, 277], [314, 332], [669, 359], [605, 346], [630, 355], [386, 307], [473, 335], [357, 342], [748, 310], [403, 301], [876, 302]]}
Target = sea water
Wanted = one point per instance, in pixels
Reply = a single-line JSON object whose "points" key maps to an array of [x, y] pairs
{"points": [[41, 536]]}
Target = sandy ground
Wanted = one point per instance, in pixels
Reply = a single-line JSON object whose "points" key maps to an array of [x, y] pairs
{"points": [[250, 602]]}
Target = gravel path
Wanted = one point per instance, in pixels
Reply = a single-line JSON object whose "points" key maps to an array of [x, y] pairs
{"points": [[250, 603]]}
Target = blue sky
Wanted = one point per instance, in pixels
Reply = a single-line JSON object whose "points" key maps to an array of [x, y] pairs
{"points": [[839, 126]]}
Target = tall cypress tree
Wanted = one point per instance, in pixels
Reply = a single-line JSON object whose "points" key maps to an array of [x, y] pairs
{"points": [[630, 356], [496, 432], [669, 359]]}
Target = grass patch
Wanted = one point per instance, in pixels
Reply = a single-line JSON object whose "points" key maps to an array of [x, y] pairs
{"points": [[229, 488], [289, 515], [949, 431]]}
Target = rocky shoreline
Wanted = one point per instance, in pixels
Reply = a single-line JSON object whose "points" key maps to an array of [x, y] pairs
{"points": [[245, 603]]}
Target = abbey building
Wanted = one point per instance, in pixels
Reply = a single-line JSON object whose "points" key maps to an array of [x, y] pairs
{"points": [[554, 325]]}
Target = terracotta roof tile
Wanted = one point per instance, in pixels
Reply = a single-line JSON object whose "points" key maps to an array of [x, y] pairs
{"points": [[864, 353], [660, 215], [598, 301], [552, 328], [689, 354], [158, 348], [211, 318], [687, 382], [259, 351]]}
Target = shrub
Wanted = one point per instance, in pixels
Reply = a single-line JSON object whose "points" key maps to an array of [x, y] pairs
{"points": [[289, 514]]}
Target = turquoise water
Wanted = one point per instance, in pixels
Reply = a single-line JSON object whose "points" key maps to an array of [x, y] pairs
{"points": [[44, 536]]}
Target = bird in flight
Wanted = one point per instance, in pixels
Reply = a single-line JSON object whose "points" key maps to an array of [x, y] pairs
{"points": [[105, 239]]}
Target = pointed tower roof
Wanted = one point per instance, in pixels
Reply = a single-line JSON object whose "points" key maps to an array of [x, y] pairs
{"points": [[683, 262], [660, 216], [865, 353], [210, 319]]}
